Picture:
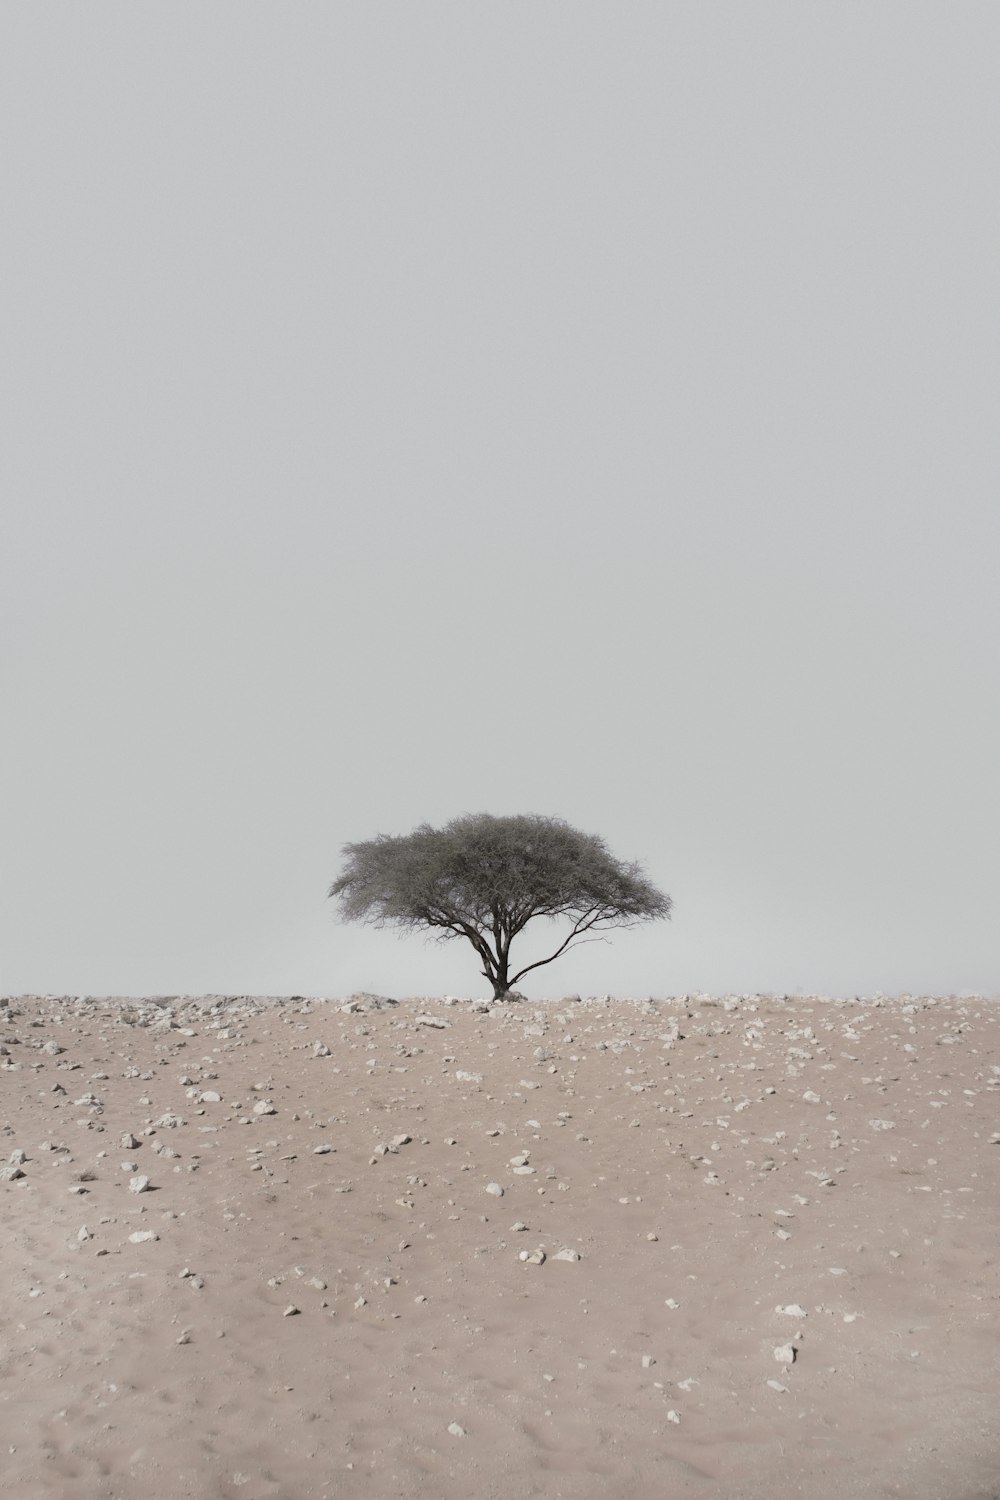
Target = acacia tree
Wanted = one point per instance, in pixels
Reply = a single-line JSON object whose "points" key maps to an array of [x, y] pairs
{"points": [[485, 878]]}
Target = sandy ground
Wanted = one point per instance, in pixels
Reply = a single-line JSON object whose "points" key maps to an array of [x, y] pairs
{"points": [[744, 1248]]}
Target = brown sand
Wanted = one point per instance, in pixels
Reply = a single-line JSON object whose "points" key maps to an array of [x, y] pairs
{"points": [[713, 1164]]}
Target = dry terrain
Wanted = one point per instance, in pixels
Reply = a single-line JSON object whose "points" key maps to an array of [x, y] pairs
{"points": [[260, 1249]]}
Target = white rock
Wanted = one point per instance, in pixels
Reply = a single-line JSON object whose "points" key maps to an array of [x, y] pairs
{"points": [[673, 1416], [210, 1096], [494, 1189], [456, 1430], [776, 1385], [129, 1142], [138, 1184], [785, 1354], [464, 1077], [882, 1124], [291, 1311], [264, 1107], [648, 1361], [793, 1310], [566, 1254], [143, 1236], [323, 1150]]}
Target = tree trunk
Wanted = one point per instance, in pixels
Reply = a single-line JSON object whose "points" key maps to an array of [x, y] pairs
{"points": [[501, 987]]}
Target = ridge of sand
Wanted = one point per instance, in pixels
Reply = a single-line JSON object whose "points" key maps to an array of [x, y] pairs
{"points": [[287, 1249]]}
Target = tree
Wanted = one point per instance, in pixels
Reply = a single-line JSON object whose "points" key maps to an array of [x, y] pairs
{"points": [[485, 878]]}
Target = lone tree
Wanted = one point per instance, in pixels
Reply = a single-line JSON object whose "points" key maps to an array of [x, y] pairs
{"points": [[485, 878]]}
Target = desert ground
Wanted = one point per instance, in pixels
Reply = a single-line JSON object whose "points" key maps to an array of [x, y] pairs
{"points": [[287, 1249]]}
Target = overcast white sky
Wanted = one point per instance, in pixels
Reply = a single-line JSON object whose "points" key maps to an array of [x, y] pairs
{"points": [[579, 409]]}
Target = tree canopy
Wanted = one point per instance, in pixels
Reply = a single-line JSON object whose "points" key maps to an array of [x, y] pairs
{"points": [[484, 878]]}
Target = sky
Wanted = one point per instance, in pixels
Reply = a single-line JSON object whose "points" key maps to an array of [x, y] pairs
{"points": [[586, 410]]}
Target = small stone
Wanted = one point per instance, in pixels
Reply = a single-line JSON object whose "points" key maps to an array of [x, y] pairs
{"points": [[793, 1310], [185, 1336], [518, 1228], [323, 1150], [648, 1361], [291, 1311], [129, 1142], [672, 1304], [456, 1430], [532, 1257], [566, 1254], [10, 1173], [139, 1184], [785, 1354], [264, 1107], [776, 1385], [143, 1236], [673, 1416], [494, 1189], [210, 1096]]}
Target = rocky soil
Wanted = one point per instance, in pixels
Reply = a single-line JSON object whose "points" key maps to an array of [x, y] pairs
{"points": [[263, 1249]]}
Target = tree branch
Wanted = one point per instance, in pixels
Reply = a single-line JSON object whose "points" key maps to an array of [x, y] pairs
{"points": [[595, 916]]}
